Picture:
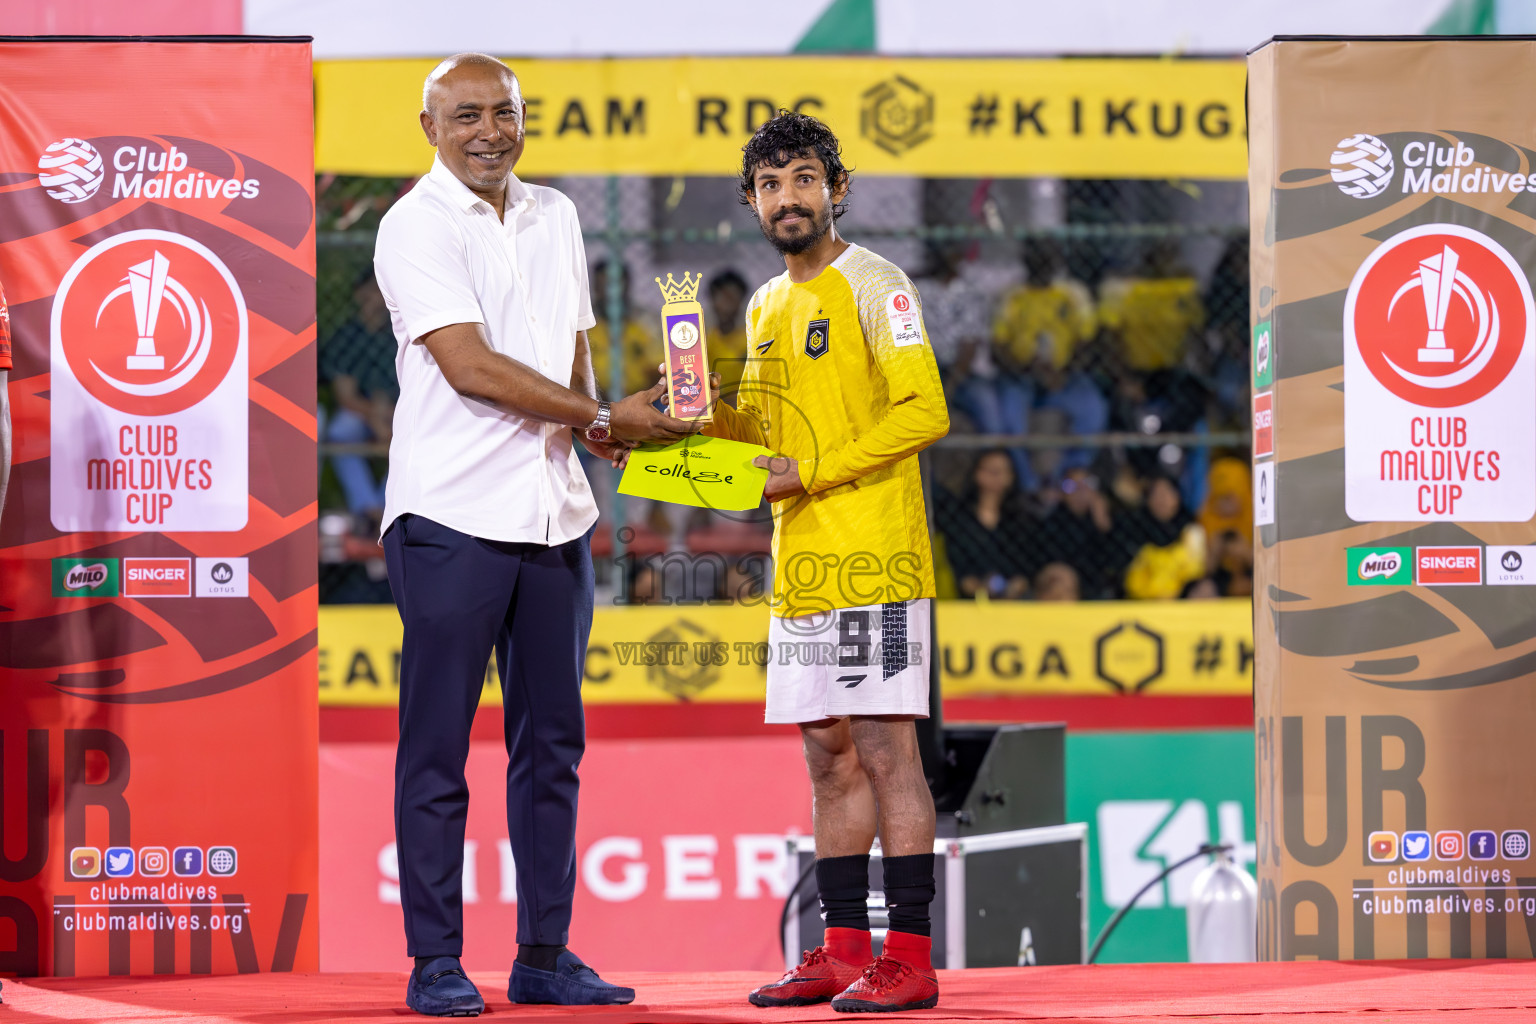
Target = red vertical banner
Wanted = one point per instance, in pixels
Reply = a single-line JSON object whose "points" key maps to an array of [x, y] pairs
{"points": [[158, 727]]}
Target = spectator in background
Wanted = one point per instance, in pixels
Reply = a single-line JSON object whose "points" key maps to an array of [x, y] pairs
{"points": [[1047, 317], [955, 313], [1057, 582], [1227, 517], [1169, 548], [986, 531], [1080, 532], [728, 337], [640, 342], [1226, 361], [1203, 589], [358, 364], [1039, 327], [1155, 312], [1072, 391]]}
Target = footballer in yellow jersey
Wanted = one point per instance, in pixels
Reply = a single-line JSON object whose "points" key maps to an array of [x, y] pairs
{"points": [[841, 384]]}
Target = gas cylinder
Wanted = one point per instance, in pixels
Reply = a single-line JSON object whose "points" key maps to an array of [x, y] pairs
{"points": [[1223, 914]]}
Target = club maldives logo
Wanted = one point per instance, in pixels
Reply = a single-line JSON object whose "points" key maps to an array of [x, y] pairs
{"points": [[1439, 314], [149, 321], [1361, 166], [73, 170]]}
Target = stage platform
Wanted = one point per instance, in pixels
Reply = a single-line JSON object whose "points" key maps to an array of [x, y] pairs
{"points": [[1405, 992]]}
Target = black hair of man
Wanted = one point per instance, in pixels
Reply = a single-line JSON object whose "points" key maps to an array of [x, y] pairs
{"points": [[790, 136]]}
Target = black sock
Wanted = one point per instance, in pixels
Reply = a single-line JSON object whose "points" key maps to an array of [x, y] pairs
{"points": [[843, 883], [908, 892], [540, 958]]}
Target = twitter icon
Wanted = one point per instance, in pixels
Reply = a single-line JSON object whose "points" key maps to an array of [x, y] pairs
{"points": [[1415, 846], [119, 861]]}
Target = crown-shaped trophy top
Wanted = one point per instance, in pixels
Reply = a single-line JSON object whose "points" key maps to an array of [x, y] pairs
{"points": [[686, 291]]}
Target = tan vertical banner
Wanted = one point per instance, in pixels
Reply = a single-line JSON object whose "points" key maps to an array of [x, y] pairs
{"points": [[1393, 207]]}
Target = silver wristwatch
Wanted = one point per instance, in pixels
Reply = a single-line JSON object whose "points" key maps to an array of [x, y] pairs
{"points": [[597, 430]]}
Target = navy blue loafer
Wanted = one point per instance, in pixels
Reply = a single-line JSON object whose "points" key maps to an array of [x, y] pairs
{"points": [[439, 988], [571, 983]]}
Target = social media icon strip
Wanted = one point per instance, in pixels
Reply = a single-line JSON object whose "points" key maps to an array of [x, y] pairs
{"points": [[1515, 844], [85, 862], [119, 861], [1450, 845], [223, 861], [154, 861], [187, 861], [1381, 847], [1416, 846]]}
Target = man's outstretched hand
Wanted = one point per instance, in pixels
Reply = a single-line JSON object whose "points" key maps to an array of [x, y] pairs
{"points": [[783, 476], [615, 451], [634, 419]]}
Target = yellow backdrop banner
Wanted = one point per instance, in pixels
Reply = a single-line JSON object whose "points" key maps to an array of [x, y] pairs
{"points": [[1072, 118], [682, 653]]}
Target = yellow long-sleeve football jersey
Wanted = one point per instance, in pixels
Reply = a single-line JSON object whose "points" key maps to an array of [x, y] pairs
{"points": [[840, 376]]}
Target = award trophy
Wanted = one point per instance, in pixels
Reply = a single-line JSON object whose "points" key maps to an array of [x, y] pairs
{"points": [[682, 328]]}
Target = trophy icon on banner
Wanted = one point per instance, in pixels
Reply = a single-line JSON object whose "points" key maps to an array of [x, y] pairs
{"points": [[1437, 278], [146, 284], [682, 327]]}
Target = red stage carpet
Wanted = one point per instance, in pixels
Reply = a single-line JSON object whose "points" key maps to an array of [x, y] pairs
{"points": [[1408, 992]]}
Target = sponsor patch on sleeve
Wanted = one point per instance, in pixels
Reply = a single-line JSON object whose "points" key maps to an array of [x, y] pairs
{"points": [[905, 321]]}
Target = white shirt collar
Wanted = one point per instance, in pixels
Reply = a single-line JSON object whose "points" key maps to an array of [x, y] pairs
{"points": [[518, 194]]}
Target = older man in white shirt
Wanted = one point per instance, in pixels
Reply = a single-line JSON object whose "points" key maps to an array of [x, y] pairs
{"points": [[486, 525]]}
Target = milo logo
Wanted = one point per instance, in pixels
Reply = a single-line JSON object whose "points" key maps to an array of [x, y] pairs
{"points": [[85, 577], [1390, 567]]}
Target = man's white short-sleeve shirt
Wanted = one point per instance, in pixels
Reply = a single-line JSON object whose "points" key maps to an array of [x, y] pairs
{"points": [[443, 258]]}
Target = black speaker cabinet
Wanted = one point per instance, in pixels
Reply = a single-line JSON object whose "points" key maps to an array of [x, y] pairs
{"points": [[1004, 899]]}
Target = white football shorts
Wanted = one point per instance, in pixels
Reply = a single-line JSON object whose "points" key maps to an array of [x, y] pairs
{"points": [[870, 660]]}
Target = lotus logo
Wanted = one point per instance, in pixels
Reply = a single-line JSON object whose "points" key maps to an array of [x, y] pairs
{"points": [[84, 577], [1384, 564], [1511, 561], [222, 572]]}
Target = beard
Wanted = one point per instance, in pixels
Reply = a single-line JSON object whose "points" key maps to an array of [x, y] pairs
{"points": [[803, 237]]}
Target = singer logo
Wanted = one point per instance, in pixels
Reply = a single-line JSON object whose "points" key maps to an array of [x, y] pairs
{"points": [[1439, 314], [149, 321], [1448, 566], [1263, 424], [157, 577]]}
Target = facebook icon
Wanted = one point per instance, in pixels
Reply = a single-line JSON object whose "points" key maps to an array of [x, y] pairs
{"points": [[187, 861], [1482, 845]]}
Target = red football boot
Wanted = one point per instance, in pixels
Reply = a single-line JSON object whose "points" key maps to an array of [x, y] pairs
{"points": [[901, 978], [820, 975]]}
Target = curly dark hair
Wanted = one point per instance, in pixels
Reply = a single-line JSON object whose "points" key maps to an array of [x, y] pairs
{"points": [[791, 136]]}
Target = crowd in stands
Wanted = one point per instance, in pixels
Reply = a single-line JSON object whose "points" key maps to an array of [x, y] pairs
{"points": [[1145, 351]]}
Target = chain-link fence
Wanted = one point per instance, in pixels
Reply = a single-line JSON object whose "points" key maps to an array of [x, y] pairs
{"points": [[1093, 337]]}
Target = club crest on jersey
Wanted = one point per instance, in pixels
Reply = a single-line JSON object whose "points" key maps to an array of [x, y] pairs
{"points": [[817, 337]]}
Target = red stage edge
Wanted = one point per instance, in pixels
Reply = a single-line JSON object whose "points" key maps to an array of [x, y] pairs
{"points": [[1404, 992], [656, 721]]}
